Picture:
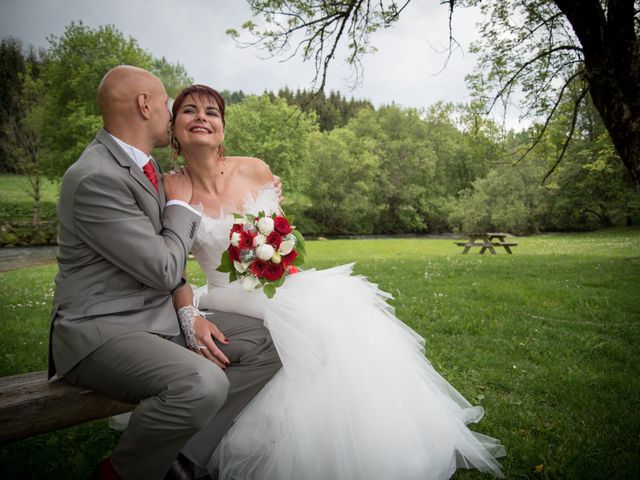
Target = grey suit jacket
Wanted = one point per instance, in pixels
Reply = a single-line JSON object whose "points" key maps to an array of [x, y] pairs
{"points": [[120, 255]]}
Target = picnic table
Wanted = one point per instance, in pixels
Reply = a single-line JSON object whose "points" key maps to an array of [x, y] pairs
{"points": [[487, 241]]}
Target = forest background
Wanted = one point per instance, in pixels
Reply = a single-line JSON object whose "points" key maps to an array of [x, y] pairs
{"points": [[348, 168]]}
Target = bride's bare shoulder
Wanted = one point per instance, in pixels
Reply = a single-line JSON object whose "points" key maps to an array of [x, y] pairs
{"points": [[253, 168]]}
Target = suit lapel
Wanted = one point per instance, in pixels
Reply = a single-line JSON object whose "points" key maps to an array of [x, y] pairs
{"points": [[163, 199], [126, 162]]}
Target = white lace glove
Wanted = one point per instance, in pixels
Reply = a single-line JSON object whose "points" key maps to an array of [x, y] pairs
{"points": [[187, 316]]}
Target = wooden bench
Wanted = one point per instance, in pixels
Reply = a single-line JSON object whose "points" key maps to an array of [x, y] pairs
{"points": [[487, 241], [30, 404]]}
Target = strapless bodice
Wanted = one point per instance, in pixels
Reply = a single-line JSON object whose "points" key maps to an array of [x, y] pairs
{"points": [[212, 238]]}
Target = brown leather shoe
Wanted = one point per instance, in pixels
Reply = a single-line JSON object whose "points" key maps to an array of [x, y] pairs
{"points": [[181, 469], [105, 471]]}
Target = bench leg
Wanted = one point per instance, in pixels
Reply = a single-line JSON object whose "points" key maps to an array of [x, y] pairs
{"points": [[466, 250], [508, 249]]}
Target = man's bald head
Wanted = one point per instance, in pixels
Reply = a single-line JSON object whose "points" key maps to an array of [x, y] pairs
{"points": [[121, 85], [133, 106]]}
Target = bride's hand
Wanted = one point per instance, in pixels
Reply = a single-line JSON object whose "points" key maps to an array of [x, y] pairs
{"points": [[205, 333], [177, 185]]}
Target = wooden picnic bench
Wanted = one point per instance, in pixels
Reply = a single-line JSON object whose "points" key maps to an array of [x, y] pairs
{"points": [[487, 241], [30, 404]]}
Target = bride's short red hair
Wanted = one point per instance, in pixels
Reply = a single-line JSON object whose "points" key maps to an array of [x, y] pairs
{"points": [[203, 93]]}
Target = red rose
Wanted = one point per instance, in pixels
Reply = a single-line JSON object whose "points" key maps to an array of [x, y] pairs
{"points": [[274, 239], [290, 258], [246, 240], [282, 225], [258, 268], [234, 253], [235, 228], [273, 271], [292, 269]]}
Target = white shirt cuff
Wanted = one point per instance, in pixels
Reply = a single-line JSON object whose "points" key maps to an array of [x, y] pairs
{"points": [[184, 204]]}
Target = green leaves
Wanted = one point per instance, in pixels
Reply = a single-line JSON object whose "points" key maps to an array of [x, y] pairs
{"points": [[269, 290], [273, 131], [226, 265], [269, 287], [233, 33], [76, 62], [320, 28], [300, 244]]}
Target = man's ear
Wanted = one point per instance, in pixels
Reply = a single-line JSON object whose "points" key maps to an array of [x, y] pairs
{"points": [[144, 105]]}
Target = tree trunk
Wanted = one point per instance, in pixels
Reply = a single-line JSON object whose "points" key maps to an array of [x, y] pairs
{"points": [[612, 67], [36, 194]]}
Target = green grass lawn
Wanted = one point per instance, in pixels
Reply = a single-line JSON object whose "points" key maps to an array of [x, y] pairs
{"points": [[547, 340], [14, 188], [15, 203]]}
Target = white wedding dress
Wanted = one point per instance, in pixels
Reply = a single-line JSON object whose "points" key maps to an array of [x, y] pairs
{"points": [[355, 398]]}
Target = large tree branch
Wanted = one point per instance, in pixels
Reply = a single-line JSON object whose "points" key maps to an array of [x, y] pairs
{"points": [[588, 21], [544, 22], [621, 38], [574, 119], [525, 44], [515, 76], [324, 33], [540, 135], [353, 6]]}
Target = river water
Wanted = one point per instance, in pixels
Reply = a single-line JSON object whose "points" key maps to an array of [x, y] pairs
{"points": [[21, 257]]}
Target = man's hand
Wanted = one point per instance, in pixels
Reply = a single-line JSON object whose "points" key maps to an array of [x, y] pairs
{"points": [[277, 184], [177, 185], [205, 333]]}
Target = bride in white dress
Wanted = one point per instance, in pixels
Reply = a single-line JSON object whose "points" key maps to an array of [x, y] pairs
{"points": [[355, 398]]}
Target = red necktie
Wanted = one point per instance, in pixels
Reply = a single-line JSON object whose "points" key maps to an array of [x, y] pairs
{"points": [[150, 171]]}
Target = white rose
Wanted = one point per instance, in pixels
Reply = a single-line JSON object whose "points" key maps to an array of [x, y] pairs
{"points": [[286, 247], [235, 239], [259, 240], [276, 258], [240, 267], [250, 282], [265, 252], [265, 225]]}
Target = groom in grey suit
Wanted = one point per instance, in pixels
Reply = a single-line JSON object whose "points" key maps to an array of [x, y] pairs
{"points": [[122, 252]]}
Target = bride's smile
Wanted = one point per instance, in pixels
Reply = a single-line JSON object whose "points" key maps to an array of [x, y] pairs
{"points": [[199, 123]]}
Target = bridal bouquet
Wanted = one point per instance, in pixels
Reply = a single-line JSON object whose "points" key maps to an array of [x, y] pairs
{"points": [[263, 249]]}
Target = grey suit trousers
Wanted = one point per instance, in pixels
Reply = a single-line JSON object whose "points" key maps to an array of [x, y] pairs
{"points": [[181, 396]]}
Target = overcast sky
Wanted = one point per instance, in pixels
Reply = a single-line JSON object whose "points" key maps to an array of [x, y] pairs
{"points": [[404, 70]]}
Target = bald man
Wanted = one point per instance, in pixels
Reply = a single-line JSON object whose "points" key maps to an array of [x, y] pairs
{"points": [[122, 248]]}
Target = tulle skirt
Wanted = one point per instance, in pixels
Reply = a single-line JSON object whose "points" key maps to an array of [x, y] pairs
{"points": [[355, 399]]}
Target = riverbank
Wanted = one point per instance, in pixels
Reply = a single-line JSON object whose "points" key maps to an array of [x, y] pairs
{"points": [[22, 257]]}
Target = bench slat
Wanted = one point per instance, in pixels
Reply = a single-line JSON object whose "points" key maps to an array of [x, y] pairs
{"points": [[29, 405], [476, 244]]}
